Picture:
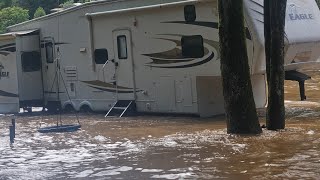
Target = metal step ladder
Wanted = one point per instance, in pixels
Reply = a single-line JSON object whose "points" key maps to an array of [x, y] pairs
{"points": [[120, 108]]}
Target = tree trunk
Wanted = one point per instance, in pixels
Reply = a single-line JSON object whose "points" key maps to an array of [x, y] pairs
{"points": [[275, 11], [267, 36], [237, 90]]}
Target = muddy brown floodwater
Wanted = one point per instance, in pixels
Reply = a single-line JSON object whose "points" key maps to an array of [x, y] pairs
{"points": [[153, 147]]}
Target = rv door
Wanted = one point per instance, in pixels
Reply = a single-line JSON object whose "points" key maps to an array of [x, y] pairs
{"points": [[124, 65], [49, 69], [9, 98]]}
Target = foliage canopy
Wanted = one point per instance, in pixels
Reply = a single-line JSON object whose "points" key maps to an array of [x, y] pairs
{"points": [[39, 12], [12, 15], [17, 11]]}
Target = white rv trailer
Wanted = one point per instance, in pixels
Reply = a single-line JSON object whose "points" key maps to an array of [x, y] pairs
{"points": [[162, 55], [21, 81]]}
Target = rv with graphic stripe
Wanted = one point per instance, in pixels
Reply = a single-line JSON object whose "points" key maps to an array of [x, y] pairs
{"points": [[155, 56]]}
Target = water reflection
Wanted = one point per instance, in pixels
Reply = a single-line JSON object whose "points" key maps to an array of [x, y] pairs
{"points": [[166, 147]]}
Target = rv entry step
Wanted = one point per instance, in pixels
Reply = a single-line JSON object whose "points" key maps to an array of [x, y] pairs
{"points": [[121, 108]]}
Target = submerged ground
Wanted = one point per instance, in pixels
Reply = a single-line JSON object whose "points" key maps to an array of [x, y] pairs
{"points": [[149, 147]]}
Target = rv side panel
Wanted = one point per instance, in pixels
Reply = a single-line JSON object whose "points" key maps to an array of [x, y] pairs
{"points": [[9, 96]]}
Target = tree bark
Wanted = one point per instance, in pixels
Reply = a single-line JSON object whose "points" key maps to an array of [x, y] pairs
{"points": [[267, 36], [237, 90], [275, 11]]}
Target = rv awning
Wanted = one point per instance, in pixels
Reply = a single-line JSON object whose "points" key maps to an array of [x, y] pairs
{"points": [[12, 35], [89, 15]]}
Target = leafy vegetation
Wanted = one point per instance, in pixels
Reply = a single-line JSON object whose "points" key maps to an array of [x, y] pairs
{"points": [[5, 3], [67, 3], [33, 5], [12, 15], [16, 11], [39, 12]]}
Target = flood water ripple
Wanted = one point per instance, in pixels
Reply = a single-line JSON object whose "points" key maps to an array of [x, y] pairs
{"points": [[154, 147]]}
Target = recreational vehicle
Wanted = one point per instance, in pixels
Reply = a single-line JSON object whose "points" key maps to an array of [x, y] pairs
{"points": [[158, 56]]}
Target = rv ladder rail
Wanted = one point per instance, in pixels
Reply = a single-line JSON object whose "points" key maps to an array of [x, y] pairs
{"points": [[125, 110]]}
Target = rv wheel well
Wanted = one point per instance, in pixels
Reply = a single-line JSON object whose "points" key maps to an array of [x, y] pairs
{"points": [[69, 108], [85, 108]]}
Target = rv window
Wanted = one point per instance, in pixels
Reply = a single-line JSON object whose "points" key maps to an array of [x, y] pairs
{"points": [[49, 52], [31, 61], [101, 56], [122, 47], [190, 13], [192, 46]]}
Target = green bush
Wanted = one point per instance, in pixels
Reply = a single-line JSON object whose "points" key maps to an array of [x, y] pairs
{"points": [[39, 12], [12, 15]]}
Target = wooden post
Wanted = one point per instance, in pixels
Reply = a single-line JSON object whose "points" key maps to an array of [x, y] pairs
{"points": [[11, 134], [14, 127]]}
